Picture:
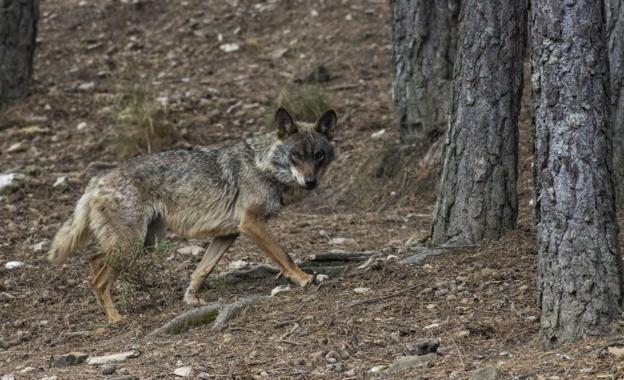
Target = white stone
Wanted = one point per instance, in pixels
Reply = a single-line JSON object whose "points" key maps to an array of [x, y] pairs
{"points": [[86, 86], [338, 241], [279, 289], [183, 371], [60, 182], [9, 180], [230, 47], [379, 134], [81, 126], [378, 368], [238, 264], [13, 265], [40, 247], [361, 290], [114, 358]]}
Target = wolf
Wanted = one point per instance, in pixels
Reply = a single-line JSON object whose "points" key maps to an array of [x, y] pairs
{"points": [[216, 193]]}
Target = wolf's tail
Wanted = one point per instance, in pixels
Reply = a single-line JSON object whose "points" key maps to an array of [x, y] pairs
{"points": [[75, 231]]}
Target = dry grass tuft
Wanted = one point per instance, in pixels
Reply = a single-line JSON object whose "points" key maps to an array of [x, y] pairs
{"points": [[141, 125], [304, 103]]}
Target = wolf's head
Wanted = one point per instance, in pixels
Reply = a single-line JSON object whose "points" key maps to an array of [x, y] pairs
{"points": [[303, 151]]}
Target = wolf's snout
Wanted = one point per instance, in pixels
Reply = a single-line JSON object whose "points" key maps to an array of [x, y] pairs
{"points": [[310, 182]]}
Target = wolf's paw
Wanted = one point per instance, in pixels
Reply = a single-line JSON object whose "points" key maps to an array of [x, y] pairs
{"points": [[191, 298], [114, 317]]}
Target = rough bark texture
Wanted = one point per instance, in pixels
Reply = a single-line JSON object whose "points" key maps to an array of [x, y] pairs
{"points": [[615, 36], [477, 192], [424, 34], [580, 275], [18, 30]]}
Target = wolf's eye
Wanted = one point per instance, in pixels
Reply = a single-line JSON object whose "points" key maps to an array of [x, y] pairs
{"points": [[295, 156], [319, 156]]}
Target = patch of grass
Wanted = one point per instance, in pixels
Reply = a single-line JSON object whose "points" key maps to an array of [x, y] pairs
{"points": [[146, 280], [140, 121], [304, 103], [138, 265]]}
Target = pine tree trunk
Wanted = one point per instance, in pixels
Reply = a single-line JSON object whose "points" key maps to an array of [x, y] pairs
{"points": [[477, 192], [615, 36], [18, 31], [424, 34], [580, 275]]}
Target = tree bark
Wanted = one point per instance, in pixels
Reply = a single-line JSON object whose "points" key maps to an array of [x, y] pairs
{"points": [[424, 34], [615, 36], [18, 31], [477, 192], [579, 265]]}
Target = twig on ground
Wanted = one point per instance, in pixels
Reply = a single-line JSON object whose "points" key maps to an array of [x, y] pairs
{"points": [[371, 300]]}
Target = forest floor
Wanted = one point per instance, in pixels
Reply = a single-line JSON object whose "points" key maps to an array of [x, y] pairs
{"points": [[481, 303]]}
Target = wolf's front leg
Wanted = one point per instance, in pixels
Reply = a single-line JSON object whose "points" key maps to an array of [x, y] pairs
{"points": [[215, 251], [255, 228]]}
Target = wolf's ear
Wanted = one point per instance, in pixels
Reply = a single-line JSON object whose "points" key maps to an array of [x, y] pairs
{"points": [[326, 124], [285, 124]]}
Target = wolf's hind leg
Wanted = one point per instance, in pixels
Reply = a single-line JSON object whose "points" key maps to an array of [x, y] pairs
{"points": [[213, 254], [117, 221], [101, 284]]}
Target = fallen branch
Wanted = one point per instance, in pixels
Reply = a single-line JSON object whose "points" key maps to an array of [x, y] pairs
{"points": [[229, 311], [184, 322]]}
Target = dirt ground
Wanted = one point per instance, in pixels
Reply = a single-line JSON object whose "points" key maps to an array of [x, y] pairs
{"points": [[480, 302]]}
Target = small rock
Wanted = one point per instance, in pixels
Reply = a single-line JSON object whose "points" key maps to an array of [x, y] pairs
{"points": [[278, 53], [350, 373], [53, 377], [183, 371], [430, 306], [411, 361], [86, 86], [431, 326], [378, 368], [61, 182], [81, 126], [73, 358], [338, 241], [488, 373], [16, 147], [10, 182], [114, 358], [237, 265], [423, 346], [279, 289], [229, 48], [337, 367], [379, 134], [531, 318], [27, 370], [191, 250], [361, 290], [40, 247], [13, 265], [108, 369]]}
